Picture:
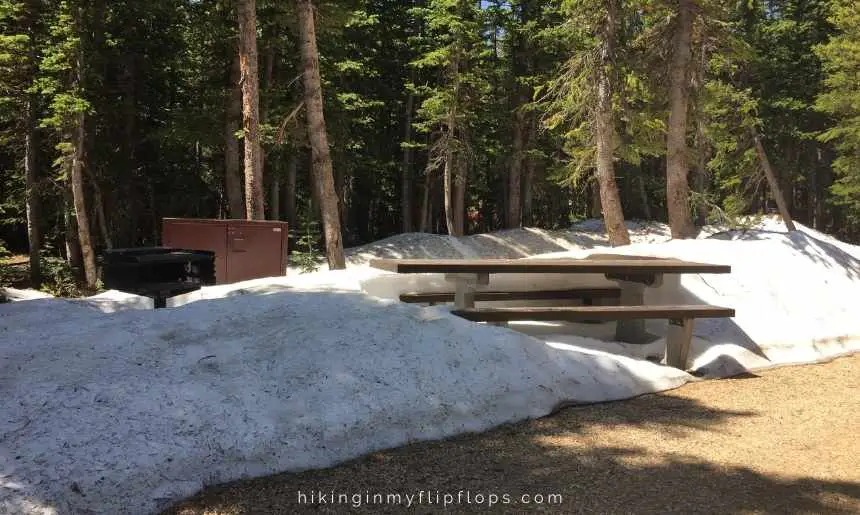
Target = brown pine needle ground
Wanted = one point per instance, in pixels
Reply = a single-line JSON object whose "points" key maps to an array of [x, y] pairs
{"points": [[782, 441]]}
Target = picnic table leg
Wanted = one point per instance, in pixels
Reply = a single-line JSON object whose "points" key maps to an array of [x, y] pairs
{"points": [[678, 342], [631, 331], [465, 286]]}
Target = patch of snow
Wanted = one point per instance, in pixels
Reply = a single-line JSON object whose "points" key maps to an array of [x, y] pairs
{"points": [[137, 408], [16, 295]]}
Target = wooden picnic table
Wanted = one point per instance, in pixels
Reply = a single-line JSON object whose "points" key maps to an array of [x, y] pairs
{"points": [[632, 274]]}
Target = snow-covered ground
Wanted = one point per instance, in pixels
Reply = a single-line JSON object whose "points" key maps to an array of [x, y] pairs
{"points": [[109, 407]]}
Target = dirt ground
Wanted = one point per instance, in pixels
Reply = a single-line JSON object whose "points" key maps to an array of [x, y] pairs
{"points": [[781, 441]]}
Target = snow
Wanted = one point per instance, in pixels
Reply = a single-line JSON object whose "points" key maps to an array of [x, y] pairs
{"points": [[107, 406]]}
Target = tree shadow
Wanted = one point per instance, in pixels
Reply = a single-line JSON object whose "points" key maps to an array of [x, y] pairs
{"points": [[562, 454]]}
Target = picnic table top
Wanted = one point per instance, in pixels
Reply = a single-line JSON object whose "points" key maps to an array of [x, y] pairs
{"points": [[597, 265]]}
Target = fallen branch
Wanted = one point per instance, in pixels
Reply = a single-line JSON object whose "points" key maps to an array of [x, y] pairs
{"points": [[289, 117]]}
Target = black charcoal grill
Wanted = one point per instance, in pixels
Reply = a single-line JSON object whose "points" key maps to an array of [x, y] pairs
{"points": [[157, 272]]}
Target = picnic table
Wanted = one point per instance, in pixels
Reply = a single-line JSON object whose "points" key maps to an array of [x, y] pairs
{"points": [[631, 274]]}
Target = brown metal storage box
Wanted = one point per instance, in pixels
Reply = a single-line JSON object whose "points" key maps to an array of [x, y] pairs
{"points": [[244, 249]]}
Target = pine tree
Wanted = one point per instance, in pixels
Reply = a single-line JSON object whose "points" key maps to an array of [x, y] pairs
{"points": [[322, 166], [250, 83], [841, 100], [587, 97], [447, 111]]}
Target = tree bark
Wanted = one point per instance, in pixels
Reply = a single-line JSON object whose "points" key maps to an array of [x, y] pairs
{"points": [[425, 203], [81, 215], [595, 208], [290, 187], [250, 82], [73, 246], [514, 217], [643, 193], [232, 168], [100, 214], [450, 175], [460, 184], [448, 192], [528, 192], [604, 133], [274, 180], [773, 182], [323, 178], [33, 202], [275, 199], [677, 166], [406, 181]]}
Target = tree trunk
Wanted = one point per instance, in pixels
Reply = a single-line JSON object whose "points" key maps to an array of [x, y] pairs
{"points": [[604, 134], [81, 215], [254, 201], [450, 141], [100, 214], [773, 182], [528, 192], [643, 194], [274, 180], [448, 192], [425, 204], [677, 167], [73, 246], [290, 189], [595, 207], [33, 203], [460, 185], [406, 188], [514, 217], [323, 178], [232, 168], [275, 199]]}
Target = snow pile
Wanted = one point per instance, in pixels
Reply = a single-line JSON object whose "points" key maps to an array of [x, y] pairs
{"points": [[511, 243], [123, 412]]}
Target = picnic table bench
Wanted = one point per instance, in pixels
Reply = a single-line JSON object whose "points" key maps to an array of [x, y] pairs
{"points": [[632, 274]]}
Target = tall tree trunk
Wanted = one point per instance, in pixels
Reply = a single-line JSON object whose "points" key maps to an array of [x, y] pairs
{"points": [[233, 121], [101, 220], [773, 182], [250, 81], [406, 181], [677, 167], [460, 185], [643, 193], [595, 208], [514, 217], [604, 134], [81, 215], [528, 192], [448, 192], [323, 178], [275, 199], [450, 141], [274, 179], [425, 203], [70, 234], [33, 203], [290, 189]]}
